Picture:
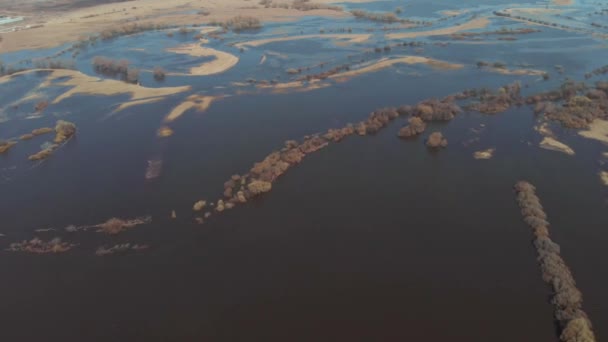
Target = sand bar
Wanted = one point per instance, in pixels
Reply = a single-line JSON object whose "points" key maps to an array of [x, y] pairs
{"points": [[223, 61], [386, 63], [349, 38], [484, 154], [551, 144], [198, 102], [477, 23], [598, 130]]}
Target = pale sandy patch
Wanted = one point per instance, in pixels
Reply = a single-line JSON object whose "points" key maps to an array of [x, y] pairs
{"points": [[549, 143], [126, 105], [544, 130], [350, 38], [164, 132], [286, 85], [385, 63], [84, 84], [452, 13], [198, 102], [209, 29], [563, 2], [295, 86], [598, 130], [223, 61], [477, 23], [484, 154], [604, 177], [515, 72], [263, 59]]}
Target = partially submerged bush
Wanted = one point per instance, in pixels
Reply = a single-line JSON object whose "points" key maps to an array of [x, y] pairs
{"points": [[115, 68], [159, 73], [120, 248], [115, 225], [258, 187], [436, 140], [415, 127], [240, 23], [39, 246], [41, 105], [198, 206], [64, 130], [6, 145], [381, 17]]}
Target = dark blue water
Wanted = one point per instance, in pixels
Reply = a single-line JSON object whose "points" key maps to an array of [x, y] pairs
{"points": [[371, 239]]}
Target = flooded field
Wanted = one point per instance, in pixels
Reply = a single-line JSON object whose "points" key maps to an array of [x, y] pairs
{"points": [[207, 182]]}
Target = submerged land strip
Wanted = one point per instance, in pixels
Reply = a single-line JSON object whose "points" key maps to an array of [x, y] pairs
{"points": [[567, 299]]}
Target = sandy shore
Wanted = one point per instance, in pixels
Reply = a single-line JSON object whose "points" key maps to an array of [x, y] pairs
{"points": [[349, 38], [386, 63], [89, 85], [223, 61], [549, 143], [477, 23], [84, 84], [198, 102], [68, 26], [598, 130]]}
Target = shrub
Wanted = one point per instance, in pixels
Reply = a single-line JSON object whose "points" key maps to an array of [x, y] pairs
{"points": [[241, 23], [159, 73]]}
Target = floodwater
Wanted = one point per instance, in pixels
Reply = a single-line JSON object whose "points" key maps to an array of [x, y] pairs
{"points": [[370, 239]]}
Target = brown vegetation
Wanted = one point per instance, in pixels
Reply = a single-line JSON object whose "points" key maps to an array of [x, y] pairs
{"points": [[599, 71], [240, 23], [159, 73], [436, 140], [43, 154], [64, 130], [36, 132], [502, 31], [416, 126], [198, 206], [40, 106], [115, 225], [567, 299], [39, 246], [127, 29], [116, 68], [500, 101], [579, 107]]}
